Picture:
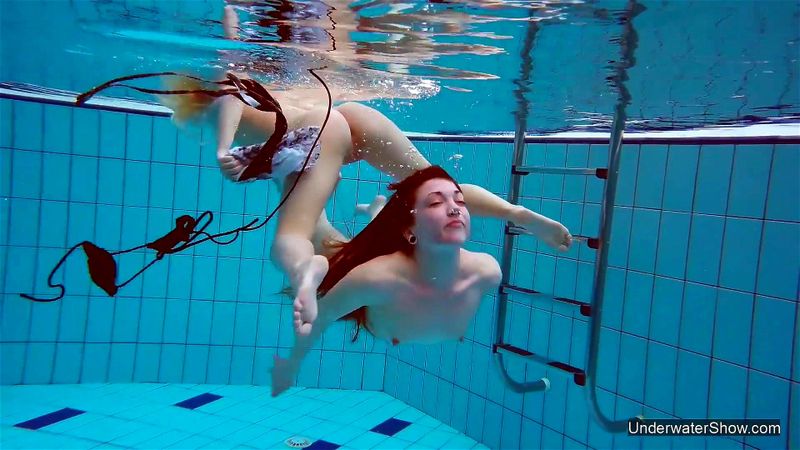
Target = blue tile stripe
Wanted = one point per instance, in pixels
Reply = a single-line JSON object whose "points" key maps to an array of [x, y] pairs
{"points": [[198, 401], [391, 426], [49, 419], [323, 445]]}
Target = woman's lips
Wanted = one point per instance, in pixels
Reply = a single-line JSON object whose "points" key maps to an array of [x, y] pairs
{"points": [[454, 224]]}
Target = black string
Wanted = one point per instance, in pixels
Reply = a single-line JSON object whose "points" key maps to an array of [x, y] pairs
{"points": [[102, 266], [50, 279]]}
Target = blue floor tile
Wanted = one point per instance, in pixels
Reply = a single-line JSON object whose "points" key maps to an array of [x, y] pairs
{"points": [[49, 419], [151, 419], [323, 445], [391, 427], [198, 401]]}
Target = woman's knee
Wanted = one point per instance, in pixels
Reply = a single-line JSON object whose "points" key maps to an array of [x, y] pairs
{"points": [[346, 106], [349, 107], [357, 113], [364, 122]]}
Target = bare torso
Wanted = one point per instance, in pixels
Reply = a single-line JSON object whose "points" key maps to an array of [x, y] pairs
{"points": [[417, 313]]}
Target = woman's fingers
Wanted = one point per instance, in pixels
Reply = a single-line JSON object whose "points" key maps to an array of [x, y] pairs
{"points": [[228, 163], [230, 167]]}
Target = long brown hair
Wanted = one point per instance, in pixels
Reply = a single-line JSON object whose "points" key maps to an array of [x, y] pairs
{"points": [[185, 107], [382, 236]]}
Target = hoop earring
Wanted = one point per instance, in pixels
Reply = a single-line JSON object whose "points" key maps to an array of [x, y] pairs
{"points": [[412, 240]]}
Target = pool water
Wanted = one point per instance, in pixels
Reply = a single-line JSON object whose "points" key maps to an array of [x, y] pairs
{"points": [[701, 306]]}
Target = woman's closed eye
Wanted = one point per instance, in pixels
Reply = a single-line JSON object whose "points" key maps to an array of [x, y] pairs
{"points": [[458, 202]]}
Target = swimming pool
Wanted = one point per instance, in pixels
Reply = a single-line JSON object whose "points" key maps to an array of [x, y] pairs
{"points": [[700, 303], [697, 63]]}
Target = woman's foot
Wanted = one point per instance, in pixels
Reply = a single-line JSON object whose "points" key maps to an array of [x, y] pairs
{"points": [[547, 230], [373, 208], [305, 304]]}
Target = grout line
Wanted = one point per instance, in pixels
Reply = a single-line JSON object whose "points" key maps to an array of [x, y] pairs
{"points": [[168, 261], [684, 281]]}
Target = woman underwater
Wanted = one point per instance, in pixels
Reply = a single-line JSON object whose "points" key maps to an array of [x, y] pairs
{"points": [[406, 277]]}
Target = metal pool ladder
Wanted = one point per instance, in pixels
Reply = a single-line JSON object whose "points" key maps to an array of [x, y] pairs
{"points": [[587, 377]]}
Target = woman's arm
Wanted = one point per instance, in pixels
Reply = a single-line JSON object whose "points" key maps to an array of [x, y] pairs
{"points": [[365, 285]]}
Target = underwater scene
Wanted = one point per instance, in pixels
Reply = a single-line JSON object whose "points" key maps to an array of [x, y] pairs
{"points": [[420, 224]]}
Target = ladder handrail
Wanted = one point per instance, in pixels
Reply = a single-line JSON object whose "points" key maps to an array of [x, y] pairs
{"points": [[628, 43], [600, 271], [513, 197]]}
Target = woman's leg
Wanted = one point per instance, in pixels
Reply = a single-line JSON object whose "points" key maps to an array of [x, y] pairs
{"points": [[326, 232], [303, 226], [377, 140], [293, 249], [323, 233], [231, 114], [384, 146]]}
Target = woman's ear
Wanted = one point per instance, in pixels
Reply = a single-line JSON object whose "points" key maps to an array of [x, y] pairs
{"points": [[409, 232], [410, 237]]}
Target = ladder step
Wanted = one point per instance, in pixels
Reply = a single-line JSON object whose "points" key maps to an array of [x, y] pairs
{"points": [[585, 308], [578, 375], [590, 242], [599, 172]]}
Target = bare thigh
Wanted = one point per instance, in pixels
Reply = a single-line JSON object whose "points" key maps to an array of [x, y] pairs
{"points": [[324, 231], [379, 142], [301, 211], [255, 126]]}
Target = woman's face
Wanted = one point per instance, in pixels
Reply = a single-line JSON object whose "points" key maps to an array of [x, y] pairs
{"points": [[441, 215]]}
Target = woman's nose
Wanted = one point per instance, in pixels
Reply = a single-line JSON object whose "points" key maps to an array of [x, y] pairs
{"points": [[454, 210]]}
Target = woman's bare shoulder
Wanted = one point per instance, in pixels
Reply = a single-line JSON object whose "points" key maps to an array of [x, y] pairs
{"points": [[387, 268], [484, 266]]}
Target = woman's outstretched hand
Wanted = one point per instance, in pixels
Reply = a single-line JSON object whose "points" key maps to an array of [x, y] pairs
{"points": [[556, 235], [547, 230]]}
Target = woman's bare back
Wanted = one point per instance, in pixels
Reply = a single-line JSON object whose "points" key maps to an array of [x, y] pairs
{"points": [[417, 313]]}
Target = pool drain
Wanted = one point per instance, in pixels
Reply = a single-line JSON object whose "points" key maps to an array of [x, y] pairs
{"points": [[298, 442]]}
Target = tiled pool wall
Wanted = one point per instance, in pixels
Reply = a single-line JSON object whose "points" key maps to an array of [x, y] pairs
{"points": [[701, 301], [700, 316], [211, 313]]}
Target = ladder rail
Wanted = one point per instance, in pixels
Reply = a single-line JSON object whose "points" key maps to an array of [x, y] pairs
{"points": [[600, 272], [628, 43], [521, 120], [611, 174]]}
